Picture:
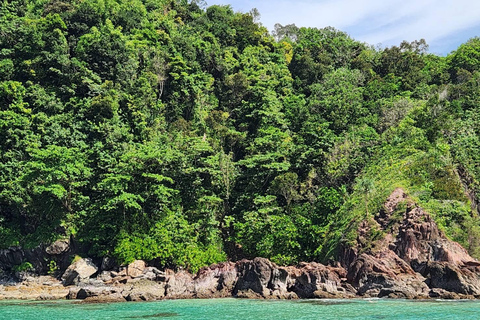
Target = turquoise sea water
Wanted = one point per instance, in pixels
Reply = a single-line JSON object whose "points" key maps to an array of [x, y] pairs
{"points": [[243, 309]]}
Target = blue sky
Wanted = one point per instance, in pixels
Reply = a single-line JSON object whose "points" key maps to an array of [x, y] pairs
{"points": [[444, 24]]}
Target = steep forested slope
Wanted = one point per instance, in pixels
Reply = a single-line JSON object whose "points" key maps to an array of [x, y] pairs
{"points": [[169, 131]]}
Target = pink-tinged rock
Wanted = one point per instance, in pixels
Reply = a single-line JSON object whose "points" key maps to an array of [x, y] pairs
{"points": [[315, 280], [179, 285], [216, 281], [385, 274], [413, 254]]}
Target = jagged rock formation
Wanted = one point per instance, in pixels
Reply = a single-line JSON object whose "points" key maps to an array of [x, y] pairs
{"points": [[315, 280], [216, 281], [412, 258], [385, 274], [257, 278]]}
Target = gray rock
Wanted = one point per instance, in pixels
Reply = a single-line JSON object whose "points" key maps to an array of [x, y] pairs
{"points": [[443, 294], [79, 271], [248, 294], [105, 276], [91, 291], [106, 297], [152, 273], [145, 290], [72, 293], [453, 278], [121, 273], [254, 276], [43, 297], [91, 282], [58, 247], [25, 276], [141, 296], [108, 263]]}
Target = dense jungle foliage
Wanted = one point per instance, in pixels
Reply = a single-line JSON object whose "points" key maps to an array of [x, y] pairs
{"points": [[170, 131]]}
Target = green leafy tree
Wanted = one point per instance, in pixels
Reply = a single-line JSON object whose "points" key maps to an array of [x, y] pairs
{"points": [[339, 98]]}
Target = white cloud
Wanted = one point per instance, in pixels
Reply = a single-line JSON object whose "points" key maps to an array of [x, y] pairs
{"points": [[433, 21], [374, 21]]}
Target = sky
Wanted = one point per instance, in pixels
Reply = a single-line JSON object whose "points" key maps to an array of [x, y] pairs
{"points": [[444, 24]]}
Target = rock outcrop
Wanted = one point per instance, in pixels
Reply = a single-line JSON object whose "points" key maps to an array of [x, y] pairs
{"points": [[386, 275], [414, 258], [144, 290], [257, 278], [179, 285], [262, 278], [14, 256], [40, 257]]}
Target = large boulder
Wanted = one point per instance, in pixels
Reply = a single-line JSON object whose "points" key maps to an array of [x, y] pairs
{"points": [[145, 290], [97, 294], [254, 275], [216, 281], [136, 268], [462, 279], [58, 247], [79, 271], [386, 275], [261, 278], [179, 285], [315, 280]]}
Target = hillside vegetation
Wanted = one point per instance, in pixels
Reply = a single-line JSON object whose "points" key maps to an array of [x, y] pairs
{"points": [[165, 130]]}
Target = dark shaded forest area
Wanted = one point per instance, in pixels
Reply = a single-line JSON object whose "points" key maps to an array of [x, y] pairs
{"points": [[166, 130]]}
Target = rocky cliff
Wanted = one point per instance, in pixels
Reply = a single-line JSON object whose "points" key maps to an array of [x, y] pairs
{"points": [[413, 258]]}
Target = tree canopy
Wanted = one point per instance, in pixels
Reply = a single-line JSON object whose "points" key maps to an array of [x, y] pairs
{"points": [[184, 134]]}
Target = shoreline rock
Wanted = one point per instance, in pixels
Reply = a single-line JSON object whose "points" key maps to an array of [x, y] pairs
{"points": [[413, 260], [252, 279]]}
